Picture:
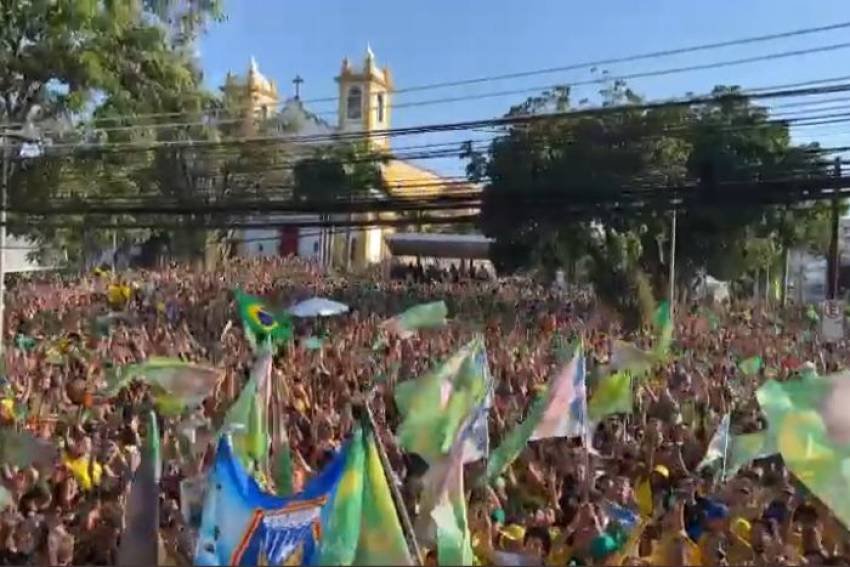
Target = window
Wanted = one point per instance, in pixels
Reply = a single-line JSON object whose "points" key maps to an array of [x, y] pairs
{"points": [[354, 103], [380, 107]]}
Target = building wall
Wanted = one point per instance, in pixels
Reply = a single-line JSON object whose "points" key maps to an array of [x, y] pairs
{"points": [[266, 242], [16, 256], [310, 242], [374, 245], [259, 242]]}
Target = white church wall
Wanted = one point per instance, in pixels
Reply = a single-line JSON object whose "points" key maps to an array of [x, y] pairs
{"points": [[374, 245], [310, 241], [260, 243]]}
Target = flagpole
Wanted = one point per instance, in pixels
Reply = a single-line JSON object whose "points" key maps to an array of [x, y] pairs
{"points": [[726, 448], [587, 434], [672, 277], [406, 524]]}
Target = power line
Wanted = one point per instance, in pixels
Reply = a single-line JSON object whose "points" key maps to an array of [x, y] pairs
{"points": [[442, 184], [526, 90], [762, 191], [631, 58], [456, 149], [316, 139], [628, 76], [522, 74]]}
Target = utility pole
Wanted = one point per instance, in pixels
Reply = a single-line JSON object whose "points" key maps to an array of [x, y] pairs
{"points": [[834, 260], [114, 247], [3, 200], [672, 276]]}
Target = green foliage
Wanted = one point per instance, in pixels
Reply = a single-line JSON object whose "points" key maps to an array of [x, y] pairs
{"points": [[116, 72], [338, 172], [538, 175]]}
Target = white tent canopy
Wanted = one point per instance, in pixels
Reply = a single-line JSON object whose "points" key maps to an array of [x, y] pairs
{"points": [[318, 307]]}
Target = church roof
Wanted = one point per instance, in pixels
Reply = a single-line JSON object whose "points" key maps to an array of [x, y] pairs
{"points": [[406, 178], [294, 114]]}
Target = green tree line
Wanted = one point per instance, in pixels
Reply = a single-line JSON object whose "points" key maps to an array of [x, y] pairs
{"points": [[600, 156]]}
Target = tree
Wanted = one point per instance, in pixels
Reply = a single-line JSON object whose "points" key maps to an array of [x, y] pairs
{"points": [[554, 190], [113, 70], [340, 173]]}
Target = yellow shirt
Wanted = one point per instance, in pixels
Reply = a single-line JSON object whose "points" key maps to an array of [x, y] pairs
{"points": [[739, 551], [560, 553], [663, 554], [643, 496], [480, 548], [118, 295], [8, 406], [79, 467]]}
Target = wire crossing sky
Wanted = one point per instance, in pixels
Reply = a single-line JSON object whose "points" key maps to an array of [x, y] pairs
{"points": [[444, 41]]}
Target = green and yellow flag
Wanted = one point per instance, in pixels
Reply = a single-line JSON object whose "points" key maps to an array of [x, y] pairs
{"points": [[262, 325], [22, 449], [747, 447], [559, 411], [663, 323], [613, 396], [628, 357], [638, 362], [362, 526], [177, 385], [422, 316], [434, 406], [750, 366], [442, 518], [283, 470], [246, 419], [810, 425]]}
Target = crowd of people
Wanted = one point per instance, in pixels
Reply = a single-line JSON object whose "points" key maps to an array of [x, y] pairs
{"points": [[64, 336]]}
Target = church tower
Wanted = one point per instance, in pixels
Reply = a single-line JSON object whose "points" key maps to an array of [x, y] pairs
{"points": [[365, 99], [253, 97]]}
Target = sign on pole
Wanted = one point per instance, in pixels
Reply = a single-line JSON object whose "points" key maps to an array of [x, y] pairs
{"points": [[832, 322]]}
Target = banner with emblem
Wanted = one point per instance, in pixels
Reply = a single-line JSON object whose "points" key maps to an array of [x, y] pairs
{"points": [[243, 525]]}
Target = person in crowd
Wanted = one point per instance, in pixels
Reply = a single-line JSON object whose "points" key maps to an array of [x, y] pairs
{"points": [[643, 500]]}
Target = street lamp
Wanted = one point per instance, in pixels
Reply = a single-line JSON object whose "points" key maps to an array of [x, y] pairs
{"points": [[30, 148]]}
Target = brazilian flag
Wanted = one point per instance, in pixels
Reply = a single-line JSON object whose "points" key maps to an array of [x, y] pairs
{"points": [[262, 325], [809, 423]]}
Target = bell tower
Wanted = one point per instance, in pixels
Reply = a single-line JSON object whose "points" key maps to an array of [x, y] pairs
{"points": [[365, 95]]}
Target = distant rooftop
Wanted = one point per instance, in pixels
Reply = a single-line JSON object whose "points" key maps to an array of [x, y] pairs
{"points": [[436, 245]]}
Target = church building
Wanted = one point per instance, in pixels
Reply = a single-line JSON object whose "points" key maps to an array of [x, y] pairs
{"points": [[365, 94]]}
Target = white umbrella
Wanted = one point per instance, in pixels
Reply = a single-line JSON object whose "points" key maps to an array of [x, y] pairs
{"points": [[318, 307]]}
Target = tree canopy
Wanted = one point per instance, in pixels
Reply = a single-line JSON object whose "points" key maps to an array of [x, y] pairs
{"points": [[116, 73], [555, 189]]}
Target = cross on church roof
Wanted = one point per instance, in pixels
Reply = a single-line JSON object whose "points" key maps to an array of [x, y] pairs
{"points": [[297, 81]]}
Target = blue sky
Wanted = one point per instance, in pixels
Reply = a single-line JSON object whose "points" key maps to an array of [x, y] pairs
{"points": [[427, 41]]}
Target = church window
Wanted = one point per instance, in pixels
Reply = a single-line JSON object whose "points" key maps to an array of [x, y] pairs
{"points": [[354, 103], [380, 107]]}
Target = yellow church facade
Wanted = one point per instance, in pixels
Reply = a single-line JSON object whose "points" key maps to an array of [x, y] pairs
{"points": [[364, 106]]}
